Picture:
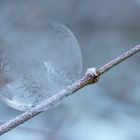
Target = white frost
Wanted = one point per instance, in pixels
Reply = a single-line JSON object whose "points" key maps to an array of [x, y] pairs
{"points": [[92, 71]]}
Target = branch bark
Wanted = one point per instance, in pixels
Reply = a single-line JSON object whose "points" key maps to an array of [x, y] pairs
{"points": [[90, 77]]}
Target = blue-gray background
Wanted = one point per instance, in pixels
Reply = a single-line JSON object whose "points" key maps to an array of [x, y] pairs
{"points": [[109, 110]]}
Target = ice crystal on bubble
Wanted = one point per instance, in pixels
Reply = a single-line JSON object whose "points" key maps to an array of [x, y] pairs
{"points": [[36, 63]]}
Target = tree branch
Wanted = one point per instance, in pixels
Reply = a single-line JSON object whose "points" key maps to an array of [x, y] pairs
{"points": [[90, 77]]}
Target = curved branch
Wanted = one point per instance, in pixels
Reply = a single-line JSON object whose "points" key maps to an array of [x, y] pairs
{"points": [[90, 77]]}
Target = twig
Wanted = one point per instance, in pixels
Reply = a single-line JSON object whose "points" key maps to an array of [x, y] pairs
{"points": [[90, 77]]}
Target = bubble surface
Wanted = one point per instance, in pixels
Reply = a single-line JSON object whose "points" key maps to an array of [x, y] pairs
{"points": [[36, 63]]}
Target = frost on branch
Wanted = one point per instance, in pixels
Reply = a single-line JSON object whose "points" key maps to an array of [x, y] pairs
{"points": [[92, 72]]}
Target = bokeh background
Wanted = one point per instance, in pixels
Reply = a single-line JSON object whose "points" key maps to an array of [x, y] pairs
{"points": [[108, 110]]}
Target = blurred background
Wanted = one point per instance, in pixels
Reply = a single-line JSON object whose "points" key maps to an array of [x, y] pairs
{"points": [[108, 110]]}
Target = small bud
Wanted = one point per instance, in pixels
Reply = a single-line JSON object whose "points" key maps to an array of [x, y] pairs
{"points": [[92, 72]]}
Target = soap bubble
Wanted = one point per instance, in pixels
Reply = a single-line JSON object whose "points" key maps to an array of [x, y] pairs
{"points": [[36, 63]]}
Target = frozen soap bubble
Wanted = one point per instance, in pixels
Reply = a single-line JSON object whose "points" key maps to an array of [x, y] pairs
{"points": [[37, 62]]}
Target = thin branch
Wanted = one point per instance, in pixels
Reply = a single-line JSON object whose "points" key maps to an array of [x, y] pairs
{"points": [[89, 78], [34, 130], [119, 59]]}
